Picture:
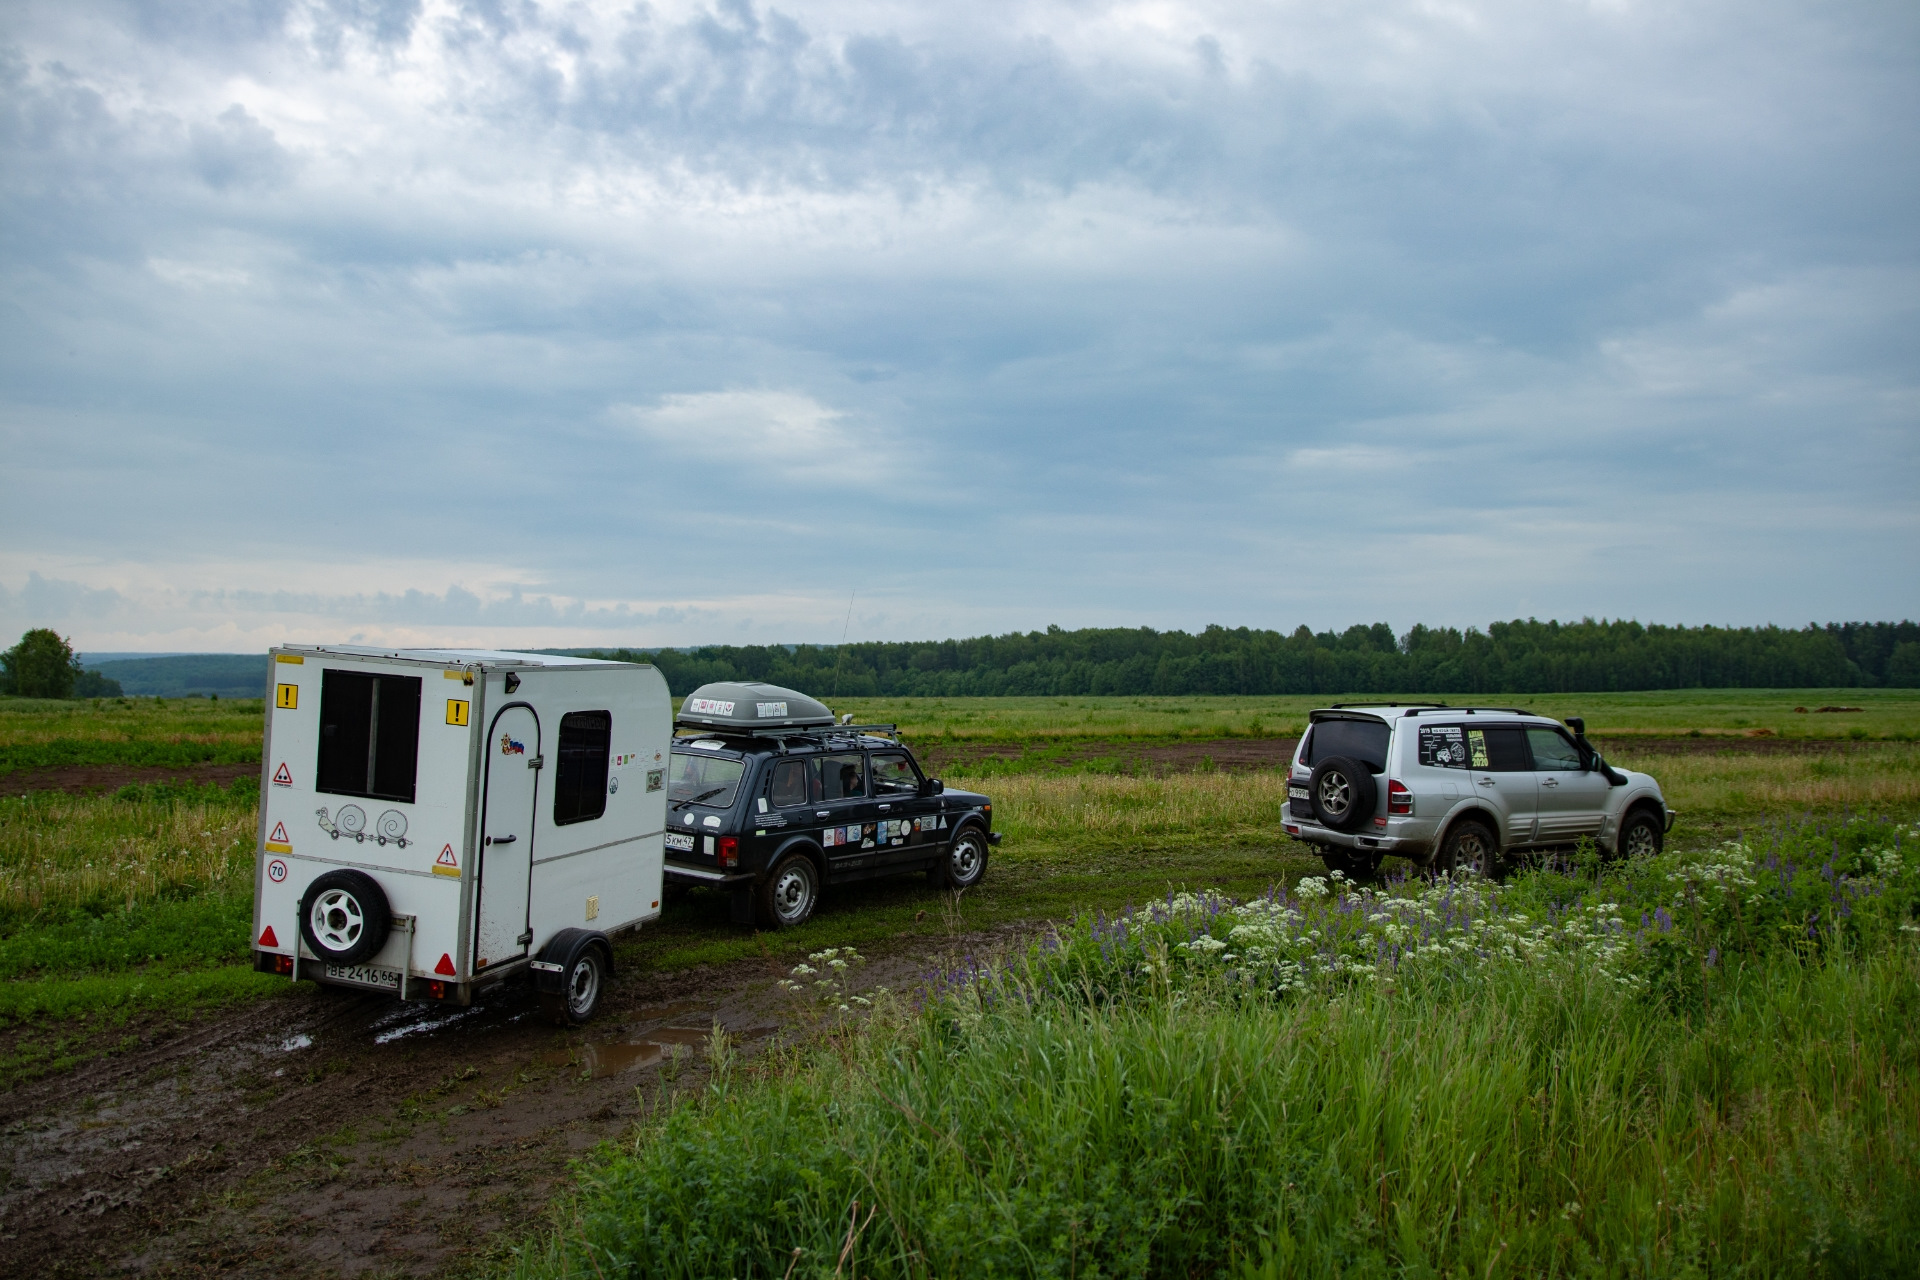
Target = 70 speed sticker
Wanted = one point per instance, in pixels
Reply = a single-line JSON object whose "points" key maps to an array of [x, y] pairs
{"points": [[276, 871]]}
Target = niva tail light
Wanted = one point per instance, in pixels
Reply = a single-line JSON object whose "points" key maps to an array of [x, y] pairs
{"points": [[729, 851], [1399, 799]]}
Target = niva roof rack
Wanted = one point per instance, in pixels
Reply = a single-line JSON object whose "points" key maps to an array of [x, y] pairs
{"points": [[754, 709]]}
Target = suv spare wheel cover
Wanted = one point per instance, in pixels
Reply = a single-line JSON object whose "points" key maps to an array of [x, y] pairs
{"points": [[1343, 793]]}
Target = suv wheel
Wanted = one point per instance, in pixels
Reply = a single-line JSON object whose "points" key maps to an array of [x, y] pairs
{"points": [[787, 897], [1469, 845], [1642, 836], [1343, 793]]}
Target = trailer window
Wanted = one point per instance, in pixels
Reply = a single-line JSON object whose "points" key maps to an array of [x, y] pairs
{"points": [[369, 735], [580, 783], [704, 779]]}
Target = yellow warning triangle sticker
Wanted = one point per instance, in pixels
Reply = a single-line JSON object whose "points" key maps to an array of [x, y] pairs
{"points": [[281, 778]]}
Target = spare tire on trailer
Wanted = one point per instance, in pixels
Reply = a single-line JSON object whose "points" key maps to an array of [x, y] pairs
{"points": [[344, 917], [1343, 793]]}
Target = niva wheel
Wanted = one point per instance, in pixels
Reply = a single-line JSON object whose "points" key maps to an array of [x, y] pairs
{"points": [[787, 897], [965, 863]]}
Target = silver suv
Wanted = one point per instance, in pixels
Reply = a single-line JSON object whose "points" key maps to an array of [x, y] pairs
{"points": [[1453, 787]]}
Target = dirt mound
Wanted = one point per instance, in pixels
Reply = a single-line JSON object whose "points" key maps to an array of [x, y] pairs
{"points": [[92, 779]]}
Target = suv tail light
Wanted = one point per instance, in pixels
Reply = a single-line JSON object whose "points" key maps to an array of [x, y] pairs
{"points": [[729, 851], [1399, 799]]}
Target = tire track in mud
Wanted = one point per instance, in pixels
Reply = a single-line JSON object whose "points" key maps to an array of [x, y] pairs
{"points": [[328, 1133]]}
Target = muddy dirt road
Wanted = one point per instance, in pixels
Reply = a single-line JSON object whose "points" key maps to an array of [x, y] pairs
{"points": [[330, 1134]]}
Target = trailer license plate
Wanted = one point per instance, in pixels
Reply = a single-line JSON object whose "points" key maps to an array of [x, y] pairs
{"points": [[680, 841], [366, 975]]}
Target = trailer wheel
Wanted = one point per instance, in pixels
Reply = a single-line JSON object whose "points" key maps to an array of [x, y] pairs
{"points": [[582, 986], [344, 917], [788, 895]]}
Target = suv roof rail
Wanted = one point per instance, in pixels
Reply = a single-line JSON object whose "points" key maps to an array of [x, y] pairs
{"points": [[781, 734], [1343, 706]]}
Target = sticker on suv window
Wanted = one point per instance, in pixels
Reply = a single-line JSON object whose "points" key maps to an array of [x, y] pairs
{"points": [[1444, 746]]}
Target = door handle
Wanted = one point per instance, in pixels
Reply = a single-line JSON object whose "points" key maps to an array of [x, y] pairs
{"points": [[1549, 782], [501, 839], [1486, 782], [885, 807], [822, 813]]}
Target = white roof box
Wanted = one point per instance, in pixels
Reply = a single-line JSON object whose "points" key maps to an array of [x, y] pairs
{"points": [[748, 706]]}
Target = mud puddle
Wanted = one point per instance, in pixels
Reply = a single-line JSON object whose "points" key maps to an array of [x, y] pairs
{"points": [[328, 1133]]}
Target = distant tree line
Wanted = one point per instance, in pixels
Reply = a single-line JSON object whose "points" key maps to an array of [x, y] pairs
{"points": [[1508, 657]]}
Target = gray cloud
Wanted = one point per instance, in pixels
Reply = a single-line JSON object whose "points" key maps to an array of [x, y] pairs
{"points": [[1089, 313]]}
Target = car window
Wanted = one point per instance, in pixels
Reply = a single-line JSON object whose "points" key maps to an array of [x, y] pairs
{"points": [[1443, 746], [893, 774], [843, 777], [1362, 740], [1499, 749], [699, 778], [790, 783], [1553, 751]]}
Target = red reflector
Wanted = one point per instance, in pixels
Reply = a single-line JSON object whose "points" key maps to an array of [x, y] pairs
{"points": [[283, 964], [438, 990], [729, 851], [267, 939], [445, 966]]}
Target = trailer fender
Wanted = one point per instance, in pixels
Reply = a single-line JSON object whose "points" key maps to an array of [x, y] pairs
{"points": [[558, 979]]}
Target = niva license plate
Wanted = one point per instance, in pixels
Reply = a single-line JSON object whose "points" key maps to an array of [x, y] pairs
{"points": [[366, 975], [679, 840]]}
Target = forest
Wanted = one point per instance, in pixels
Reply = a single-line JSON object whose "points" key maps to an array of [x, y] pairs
{"points": [[1521, 656]]}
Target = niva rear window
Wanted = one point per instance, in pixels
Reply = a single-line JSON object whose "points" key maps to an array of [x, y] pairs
{"points": [[1362, 740], [699, 778]]}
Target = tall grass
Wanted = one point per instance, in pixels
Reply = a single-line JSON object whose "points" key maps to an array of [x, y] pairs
{"points": [[128, 731], [60, 851], [1875, 776], [1077, 807], [1123, 1102]]}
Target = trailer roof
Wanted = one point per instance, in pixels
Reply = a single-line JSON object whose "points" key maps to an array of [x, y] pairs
{"points": [[493, 659]]}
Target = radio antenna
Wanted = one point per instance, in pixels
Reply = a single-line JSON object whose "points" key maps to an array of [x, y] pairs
{"points": [[844, 627]]}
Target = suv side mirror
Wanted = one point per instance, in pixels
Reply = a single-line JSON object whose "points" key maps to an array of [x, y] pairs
{"points": [[931, 786]]}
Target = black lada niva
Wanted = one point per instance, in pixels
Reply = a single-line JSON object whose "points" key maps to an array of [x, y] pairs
{"points": [[768, 795]]}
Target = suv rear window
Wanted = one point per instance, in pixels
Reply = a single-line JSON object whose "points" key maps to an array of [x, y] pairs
{"points": [[704, 779], [1362, 740]]}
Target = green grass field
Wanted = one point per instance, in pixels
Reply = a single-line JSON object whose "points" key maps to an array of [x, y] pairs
{"points": [[113, 904], [1705, 1063]]}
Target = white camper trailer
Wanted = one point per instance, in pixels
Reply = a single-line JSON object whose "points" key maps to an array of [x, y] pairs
{"points": [[433, 821]]}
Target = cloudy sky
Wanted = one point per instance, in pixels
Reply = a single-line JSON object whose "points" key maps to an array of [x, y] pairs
{"points": [[510, 322]]}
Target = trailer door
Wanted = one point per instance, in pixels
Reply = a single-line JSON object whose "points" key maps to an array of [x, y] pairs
{"points": [[506, 836]]}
